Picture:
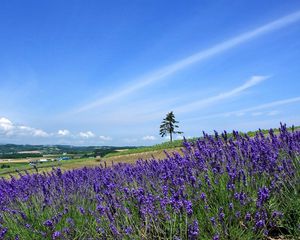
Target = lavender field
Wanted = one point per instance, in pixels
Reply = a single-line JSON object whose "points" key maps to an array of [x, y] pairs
{"points": [[220, 187]]}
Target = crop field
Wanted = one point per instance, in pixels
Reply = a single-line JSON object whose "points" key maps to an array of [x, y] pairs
{"points": [[218, 187], [21, 166]]}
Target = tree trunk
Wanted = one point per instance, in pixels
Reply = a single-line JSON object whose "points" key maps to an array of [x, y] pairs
{"points": [[170, 136]]}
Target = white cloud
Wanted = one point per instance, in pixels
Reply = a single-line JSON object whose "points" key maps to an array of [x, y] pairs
{"points": [[39, 133], [8, 128], [28, 131], [168, 70], [105, 138], [254, 80], [87, 134], [149, 138], [63, 132], [5, 124]]}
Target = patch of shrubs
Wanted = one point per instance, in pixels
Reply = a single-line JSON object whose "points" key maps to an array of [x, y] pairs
{"points": [[5, 166]]}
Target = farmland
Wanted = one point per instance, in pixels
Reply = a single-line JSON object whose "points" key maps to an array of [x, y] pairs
{"points": [[218, 187], [15, 167]]}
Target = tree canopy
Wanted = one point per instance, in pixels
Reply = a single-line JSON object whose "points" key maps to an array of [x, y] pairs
{"points": [[168, 126]]}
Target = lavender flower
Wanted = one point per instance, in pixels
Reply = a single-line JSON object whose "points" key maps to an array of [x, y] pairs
{"points": [[260, 224], [263, 196], [216, 237], [193, 230], [3, 232], [247, 217], [213, 221], [48, 223], [56, 235], [203, 196]]}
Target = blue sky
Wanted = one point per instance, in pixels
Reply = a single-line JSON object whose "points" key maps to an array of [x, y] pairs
{"points": [[107, 72]]}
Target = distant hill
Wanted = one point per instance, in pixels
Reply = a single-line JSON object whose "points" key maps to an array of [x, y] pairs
{"points": [[23, 151]]}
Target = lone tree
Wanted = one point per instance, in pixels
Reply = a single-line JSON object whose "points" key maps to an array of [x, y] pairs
{"points": [[168, 126]]}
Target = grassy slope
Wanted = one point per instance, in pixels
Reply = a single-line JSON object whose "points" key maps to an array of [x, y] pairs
{"points": [[157, 147]]}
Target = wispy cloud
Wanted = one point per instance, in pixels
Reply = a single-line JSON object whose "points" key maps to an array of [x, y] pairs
{"points": [[254, 80], [273, 113], [173, 68], [255, 114], [254, 109], [273, 104], [158, 111], [240, 114]]}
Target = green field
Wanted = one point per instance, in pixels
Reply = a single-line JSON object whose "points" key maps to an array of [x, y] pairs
{"points": [[20, 166]]}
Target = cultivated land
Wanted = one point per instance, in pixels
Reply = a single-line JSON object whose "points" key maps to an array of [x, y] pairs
{"points": [[22, 165]]}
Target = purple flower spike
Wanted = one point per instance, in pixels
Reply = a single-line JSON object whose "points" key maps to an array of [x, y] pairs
{"points": [[262, 196], [193, 230], [203, 196], [221, 216], [128, 230], [81, 210], [48, 223], [260, 224], [216, 237], [56, 235], [247, 217], [213, 221], [3, 232]]}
